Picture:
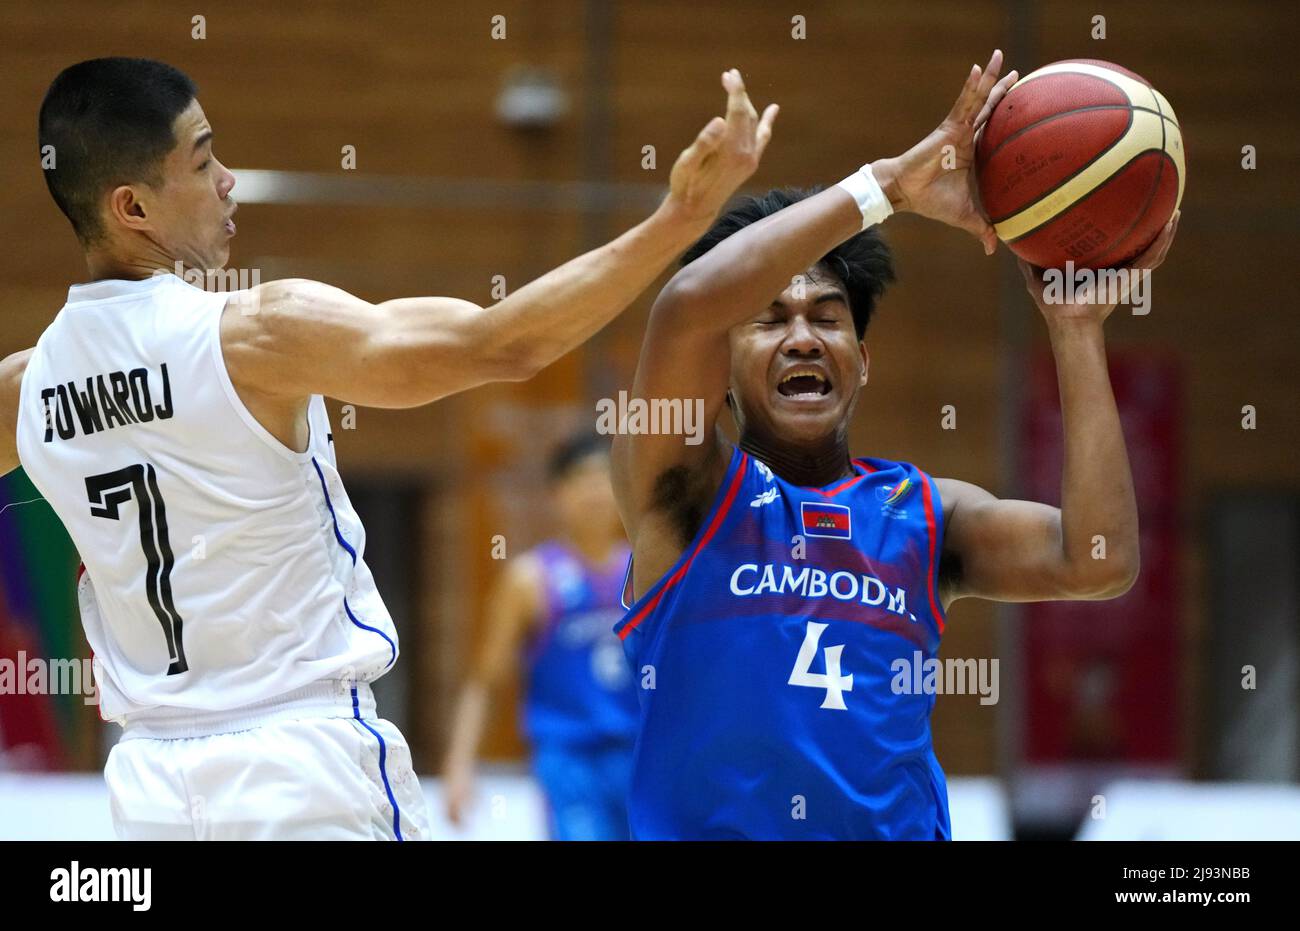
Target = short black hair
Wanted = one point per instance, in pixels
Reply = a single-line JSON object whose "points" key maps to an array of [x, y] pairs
{"points": [[109, 121], [862, 262], [573, 451]]}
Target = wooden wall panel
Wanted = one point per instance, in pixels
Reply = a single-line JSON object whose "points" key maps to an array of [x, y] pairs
{"points": [[413, 88]]}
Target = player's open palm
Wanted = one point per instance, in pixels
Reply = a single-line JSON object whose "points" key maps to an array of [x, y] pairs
{"points": [[936, 177], [723, 156]]}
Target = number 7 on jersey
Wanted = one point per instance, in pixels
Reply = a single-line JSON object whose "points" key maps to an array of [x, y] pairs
{"points": [[107, 493]]}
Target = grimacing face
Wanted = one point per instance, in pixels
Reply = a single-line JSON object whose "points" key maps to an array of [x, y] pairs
{"points": [[188, 214], [797, 367]]}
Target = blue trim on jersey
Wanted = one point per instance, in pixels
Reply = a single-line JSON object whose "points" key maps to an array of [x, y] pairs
{"points": [[352, 617], [383, 760], [338, 535]]}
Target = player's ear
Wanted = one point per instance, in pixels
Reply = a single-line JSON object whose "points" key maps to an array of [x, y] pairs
{"points": [[125, 208], [866, 362], [732, 406]]}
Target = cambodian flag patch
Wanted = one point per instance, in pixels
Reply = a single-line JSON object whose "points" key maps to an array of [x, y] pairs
{"points": [[826, 520]]}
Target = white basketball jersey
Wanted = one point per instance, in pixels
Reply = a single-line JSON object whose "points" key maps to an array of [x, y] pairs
{"points": [[223, 569]]}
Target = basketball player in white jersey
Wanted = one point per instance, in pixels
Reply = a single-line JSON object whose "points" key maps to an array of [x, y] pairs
{"points": [[181, 437]]}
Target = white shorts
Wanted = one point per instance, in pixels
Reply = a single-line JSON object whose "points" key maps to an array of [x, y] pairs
{"points": [[312, 778]]}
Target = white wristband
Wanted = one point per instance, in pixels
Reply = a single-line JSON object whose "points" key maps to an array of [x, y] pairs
{"points": [[865, 191]]}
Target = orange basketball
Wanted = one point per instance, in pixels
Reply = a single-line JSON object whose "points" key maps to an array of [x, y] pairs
{"points": [[1081, 161]]}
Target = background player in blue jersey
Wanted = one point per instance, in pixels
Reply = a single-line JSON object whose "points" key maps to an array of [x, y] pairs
{"points": [[788, 595], [554, 606]]}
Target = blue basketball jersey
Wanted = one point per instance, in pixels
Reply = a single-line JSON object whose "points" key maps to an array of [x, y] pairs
{"points": [[580, 692], [780, 664]]}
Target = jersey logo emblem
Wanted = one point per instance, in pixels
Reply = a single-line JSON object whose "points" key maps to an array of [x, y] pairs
{"points": [[766, 497], [826, 520], [892, 494]]}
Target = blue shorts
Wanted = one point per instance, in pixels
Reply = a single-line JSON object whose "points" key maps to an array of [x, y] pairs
{"points": [[586, 790]]}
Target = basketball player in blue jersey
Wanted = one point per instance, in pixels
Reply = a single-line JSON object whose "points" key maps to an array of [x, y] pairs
{"points": [[558, 602], [784, 590]]}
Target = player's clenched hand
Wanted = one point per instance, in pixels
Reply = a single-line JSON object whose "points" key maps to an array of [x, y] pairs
{"points": [[722, 157], [1084, 306], [936, 177]]}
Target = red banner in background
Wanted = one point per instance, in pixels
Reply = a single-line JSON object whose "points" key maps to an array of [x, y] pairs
{"points": [[1102, 678], [29, 733]]}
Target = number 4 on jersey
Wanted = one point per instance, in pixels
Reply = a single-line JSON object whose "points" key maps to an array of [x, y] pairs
{"points": [[831, 680]]}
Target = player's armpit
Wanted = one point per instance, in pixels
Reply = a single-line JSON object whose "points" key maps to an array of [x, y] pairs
{"points": [[295, 338], [11, 379], [683, 374], [663, 524], [1009, 550]]}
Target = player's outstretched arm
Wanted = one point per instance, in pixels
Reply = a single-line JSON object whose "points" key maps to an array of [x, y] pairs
{"points": [[304, 337], [1088, 547]]}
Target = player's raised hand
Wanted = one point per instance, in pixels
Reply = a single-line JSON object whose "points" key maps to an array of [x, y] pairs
{"points": [[936, 177], [1086, 302], [723, 155]]}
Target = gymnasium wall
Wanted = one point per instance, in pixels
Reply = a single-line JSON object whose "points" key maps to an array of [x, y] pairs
{"points": [[414, 88]]}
